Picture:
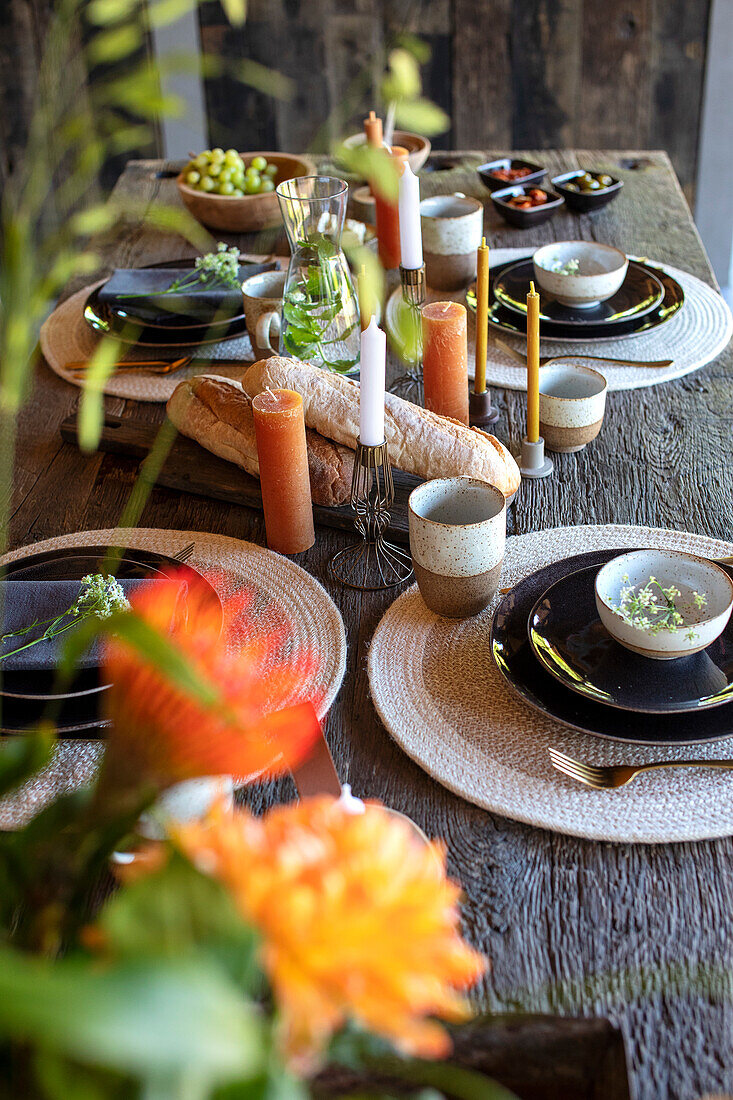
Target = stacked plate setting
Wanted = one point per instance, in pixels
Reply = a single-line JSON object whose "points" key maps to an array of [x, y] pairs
{"points": [[548, 642]]}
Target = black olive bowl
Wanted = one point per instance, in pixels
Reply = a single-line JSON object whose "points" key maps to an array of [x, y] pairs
{"points": [[537, 173], [584, 202], [535, 215]]}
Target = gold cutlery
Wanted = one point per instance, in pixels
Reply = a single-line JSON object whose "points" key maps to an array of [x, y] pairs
{"points": [[79, 368], [596, 358], [184, 554], [608, 777]]}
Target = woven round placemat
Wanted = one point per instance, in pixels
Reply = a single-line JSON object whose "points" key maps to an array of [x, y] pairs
{"points": [[694, 337], [438, 692], [66, 337], [285, 593]]}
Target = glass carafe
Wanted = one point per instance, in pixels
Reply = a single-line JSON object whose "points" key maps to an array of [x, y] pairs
{"points": [[319, 320]]}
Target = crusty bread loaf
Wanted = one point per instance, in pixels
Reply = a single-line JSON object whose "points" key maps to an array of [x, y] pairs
{"points": [[420, 442], [217, 413]]}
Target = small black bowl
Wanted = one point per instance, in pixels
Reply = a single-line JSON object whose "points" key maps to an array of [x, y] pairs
{"points": [[537, 173], [535, 215], [586, 201]]}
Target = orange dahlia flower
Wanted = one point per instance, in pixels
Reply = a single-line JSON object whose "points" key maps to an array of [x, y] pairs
{"points": [[255, 720], [357, 918]]}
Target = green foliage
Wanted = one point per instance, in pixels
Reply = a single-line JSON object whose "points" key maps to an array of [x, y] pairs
{"points": [[403, 87]]}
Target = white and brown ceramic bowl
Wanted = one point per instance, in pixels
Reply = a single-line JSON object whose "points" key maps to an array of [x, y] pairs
{"points": [[600, 272], [572, 404], [687, 573], [457, 537], [452, 227], [418, 147]]}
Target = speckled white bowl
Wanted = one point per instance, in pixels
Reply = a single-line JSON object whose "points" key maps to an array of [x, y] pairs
{"points": [[601, 271], [689, 574], [572, 405]]}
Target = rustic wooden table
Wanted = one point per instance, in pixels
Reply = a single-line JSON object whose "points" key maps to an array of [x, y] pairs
{"points": [[640, 934]]}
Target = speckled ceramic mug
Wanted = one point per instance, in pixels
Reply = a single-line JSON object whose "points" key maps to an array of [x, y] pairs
{"points": [[263, 295], [572, 404], [452, 226], [457, 537]]}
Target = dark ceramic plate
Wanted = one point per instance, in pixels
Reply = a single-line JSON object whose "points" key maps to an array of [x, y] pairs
{"points": [[26, 694], [571, 642], [535, 215], [585, 202], [507, 321], [536, 173], [516, 661], [640, 293]]}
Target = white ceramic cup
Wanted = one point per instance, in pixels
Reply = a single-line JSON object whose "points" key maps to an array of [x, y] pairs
{"points": [[457, 537], [452, 227], [572, 405], [263, 296]]}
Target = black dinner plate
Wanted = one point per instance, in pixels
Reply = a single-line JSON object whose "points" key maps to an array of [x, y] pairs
{"points": [[26, 694], [506, 321], [182, 332], [516, 661], [640, 293], [571, 642]]}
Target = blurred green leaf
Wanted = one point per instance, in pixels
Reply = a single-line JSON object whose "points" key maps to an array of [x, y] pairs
{"points": [[178, 911], [402, 81], [235, 11], [22, 757], [112, 45], [419, 49], [374, 165], [152, 1019], [421, 116], [91, 404], [103, 12], [94, 219], [161, 12]]}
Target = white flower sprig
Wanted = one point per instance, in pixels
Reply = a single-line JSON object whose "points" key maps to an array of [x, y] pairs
{"points": [[644, 610], [99, 597]]}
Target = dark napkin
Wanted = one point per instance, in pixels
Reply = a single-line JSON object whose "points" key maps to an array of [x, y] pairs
{"points": [[26, 601], [197, 304]]}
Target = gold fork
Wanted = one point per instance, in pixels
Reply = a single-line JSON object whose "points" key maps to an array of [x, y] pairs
{"points": [[79, 368], [596, 358], [608, 777]]}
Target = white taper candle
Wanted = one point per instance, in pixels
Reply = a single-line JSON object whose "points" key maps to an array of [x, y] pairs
{"points": [[410, 232], [371, 391]]}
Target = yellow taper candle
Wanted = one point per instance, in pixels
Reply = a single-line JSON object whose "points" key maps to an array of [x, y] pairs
{"points": [[533, 365], [482, 316]]}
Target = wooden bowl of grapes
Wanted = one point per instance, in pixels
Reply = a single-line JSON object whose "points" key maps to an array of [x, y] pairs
{"points": [[235, 191]]}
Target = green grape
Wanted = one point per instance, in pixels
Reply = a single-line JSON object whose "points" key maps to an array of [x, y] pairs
{"points": [[225, 188], [231, 156], [225, 175], [271, 170], [217, 154], [267, 185], [238, 192], [238, 179], [193, 177], [251, 173], [202, 160], [215, 168], [207, 183], [258, 163], [251, 185]]}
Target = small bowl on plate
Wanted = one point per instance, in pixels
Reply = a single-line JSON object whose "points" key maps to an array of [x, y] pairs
{"points": [[488, 171], [687, 573], [525, 217], [601, 269], [244, 213], [584, 202]]}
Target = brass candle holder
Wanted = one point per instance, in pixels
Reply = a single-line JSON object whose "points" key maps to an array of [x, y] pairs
{"points": [[410, 385], [373, 563]]}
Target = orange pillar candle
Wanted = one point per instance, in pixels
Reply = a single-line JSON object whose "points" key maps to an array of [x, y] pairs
{"points": [[283, 462], [445, 359], [387, 217], [533, 365]]}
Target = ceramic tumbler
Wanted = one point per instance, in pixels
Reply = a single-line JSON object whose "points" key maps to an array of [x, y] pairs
{"points": [[452, 227], [457, 536], [262, 296], [572, 405]]}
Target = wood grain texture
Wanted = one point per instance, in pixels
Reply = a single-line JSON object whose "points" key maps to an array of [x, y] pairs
{"points": [[640, 934]]}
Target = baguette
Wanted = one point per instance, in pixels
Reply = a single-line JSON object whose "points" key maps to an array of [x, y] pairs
{"points": [[218, 414], [420, 442]]}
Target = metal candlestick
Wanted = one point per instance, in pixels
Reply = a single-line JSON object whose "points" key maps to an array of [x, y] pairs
{"points": [[409, 385], [373, 563]]}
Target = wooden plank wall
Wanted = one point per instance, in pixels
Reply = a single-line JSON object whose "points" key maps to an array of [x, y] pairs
{"points": [[510, 73]]}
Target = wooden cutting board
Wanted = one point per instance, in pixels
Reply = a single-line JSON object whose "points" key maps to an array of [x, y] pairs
{"points": [[192, 469]]}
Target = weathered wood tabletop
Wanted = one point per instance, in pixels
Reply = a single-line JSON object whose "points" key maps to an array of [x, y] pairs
{"points": [[640, 934]]}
